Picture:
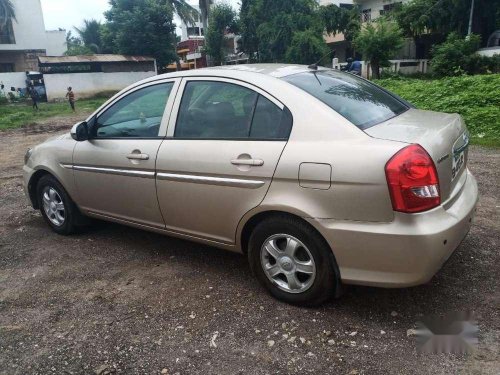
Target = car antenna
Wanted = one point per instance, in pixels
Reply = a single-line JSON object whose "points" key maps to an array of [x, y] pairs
{"points": [[315, 65]]}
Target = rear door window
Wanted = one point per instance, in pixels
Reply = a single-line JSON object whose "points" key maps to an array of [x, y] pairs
{"points": [[221, 110], [359, 101]]}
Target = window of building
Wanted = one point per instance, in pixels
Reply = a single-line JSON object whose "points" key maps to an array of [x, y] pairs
{"points": [[366, 15], [7, 33], [6, 68], [193, 31], [389, 8]]}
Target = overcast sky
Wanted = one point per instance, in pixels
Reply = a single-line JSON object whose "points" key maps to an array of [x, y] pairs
{"points": [[66, 14]]}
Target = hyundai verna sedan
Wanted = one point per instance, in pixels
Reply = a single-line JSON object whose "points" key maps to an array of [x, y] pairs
{"points": [[319, 177]]}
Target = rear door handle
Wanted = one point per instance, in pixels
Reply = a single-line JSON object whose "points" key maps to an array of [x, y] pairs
{"points": [[138, 157], [252, 162]]}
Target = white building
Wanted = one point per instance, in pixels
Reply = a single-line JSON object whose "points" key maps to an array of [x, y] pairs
{"points": [[192, 31], [339, 3], [23, 40], [370, 10]]}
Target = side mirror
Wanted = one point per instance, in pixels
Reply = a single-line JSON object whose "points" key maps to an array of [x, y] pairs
{"points": [[80, 132]]}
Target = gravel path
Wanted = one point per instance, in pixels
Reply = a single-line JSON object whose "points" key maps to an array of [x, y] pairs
{"points": [[119, 300]]}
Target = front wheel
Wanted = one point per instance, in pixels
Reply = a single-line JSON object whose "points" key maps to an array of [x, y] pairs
{"points": [[56, 206], [292, 261]]}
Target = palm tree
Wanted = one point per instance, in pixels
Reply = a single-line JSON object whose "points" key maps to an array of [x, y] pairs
{"points": [[205, 10], [7, 12], [186, 12], [90, 34]]}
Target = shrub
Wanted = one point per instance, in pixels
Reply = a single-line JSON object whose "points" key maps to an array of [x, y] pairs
{"points": [[458, 55], [474, 97]]}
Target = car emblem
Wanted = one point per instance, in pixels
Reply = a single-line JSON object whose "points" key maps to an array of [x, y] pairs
{"points": [[443, 158]]}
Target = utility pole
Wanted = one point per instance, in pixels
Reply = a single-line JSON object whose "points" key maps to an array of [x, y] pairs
{"points": [[471, 17]]}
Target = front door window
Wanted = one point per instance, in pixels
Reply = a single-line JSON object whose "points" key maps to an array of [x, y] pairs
{"points": [[138, 115]]}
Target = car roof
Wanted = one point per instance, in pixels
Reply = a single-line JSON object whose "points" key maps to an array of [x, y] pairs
{"points": [[274, 70]]}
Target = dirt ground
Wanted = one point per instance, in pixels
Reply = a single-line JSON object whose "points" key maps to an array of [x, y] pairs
{"points": [[119, 300]]}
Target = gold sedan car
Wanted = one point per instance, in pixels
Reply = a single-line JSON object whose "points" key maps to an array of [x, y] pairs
{"points": [[319, 177]]}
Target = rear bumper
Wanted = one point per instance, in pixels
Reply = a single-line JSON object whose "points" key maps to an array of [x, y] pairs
{"points": [[405, 252]]}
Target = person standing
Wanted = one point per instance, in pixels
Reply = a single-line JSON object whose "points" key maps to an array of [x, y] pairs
{"points": [[34, 97], [71, 97]]}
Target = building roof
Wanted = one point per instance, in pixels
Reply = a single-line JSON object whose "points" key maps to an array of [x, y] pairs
{"points": [[92, 58]]}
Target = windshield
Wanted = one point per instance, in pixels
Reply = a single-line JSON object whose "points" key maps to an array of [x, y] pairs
{"points": [[361, 102]]}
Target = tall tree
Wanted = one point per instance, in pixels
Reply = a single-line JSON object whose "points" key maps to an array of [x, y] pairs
{"points": [[75, 46], [423, 17], [340, 20], [90, 34], [248, 29], [222, 20], [268, 26], [7, 12], [186, 12], [141, 27], [378, 42], [306, 48], [204, 6]]}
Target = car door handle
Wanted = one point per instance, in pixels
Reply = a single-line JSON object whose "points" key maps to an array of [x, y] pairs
{"points": [[252, 162], [138, 157]]}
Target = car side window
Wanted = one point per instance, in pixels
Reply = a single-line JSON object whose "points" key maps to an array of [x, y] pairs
{"points": [[220, 110], [215, 110], [270, 121], [137, 115]]}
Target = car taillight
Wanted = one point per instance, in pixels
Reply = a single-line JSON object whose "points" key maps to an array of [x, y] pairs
{"points": [[413, 180]]}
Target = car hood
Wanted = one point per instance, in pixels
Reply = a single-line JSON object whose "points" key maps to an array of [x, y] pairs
{"points": [[58, 137]]}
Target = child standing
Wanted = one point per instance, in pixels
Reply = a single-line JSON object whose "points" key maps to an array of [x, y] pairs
{"points": [[71, 97]]}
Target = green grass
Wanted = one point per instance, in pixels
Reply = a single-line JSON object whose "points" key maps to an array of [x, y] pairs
{"points": [[476, 98], [20, 114]]}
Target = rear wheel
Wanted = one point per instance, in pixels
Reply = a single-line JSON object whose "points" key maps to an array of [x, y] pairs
{"points": [[292, 261], [56, 206]]}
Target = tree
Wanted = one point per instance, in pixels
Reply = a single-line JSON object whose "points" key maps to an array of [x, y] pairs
{"points": [[340, 20], [205, 12], [222, 20], [456, 55], [90, 34], [378, 42], [186, 12], [307, 47], [75, 46], [423, 17], [7, 12], [268, 26], [141, 27], [248, 29]]}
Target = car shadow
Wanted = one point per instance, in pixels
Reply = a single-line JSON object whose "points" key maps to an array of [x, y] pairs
{"points": [[447, 291]]}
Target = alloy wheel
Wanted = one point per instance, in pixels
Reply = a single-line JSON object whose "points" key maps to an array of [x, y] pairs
{"points": [[288, 263]]}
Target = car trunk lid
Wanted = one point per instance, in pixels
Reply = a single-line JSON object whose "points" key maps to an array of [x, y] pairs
{"points": [[444, 136]]}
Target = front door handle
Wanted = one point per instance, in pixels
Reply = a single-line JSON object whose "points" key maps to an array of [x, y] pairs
{"points": [[251, 162], [138, 157]]}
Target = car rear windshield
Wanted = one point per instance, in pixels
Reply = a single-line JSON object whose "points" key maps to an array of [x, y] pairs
{"points": [[361, 102]]}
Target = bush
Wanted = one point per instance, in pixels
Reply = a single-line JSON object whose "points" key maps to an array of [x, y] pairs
{"points": [[477, 64], [458, 55], [474, 97]]}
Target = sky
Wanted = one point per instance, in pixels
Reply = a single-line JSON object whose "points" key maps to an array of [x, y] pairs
{"points": [[66, 14]]}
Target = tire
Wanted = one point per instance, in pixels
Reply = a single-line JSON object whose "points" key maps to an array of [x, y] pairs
{"points": [[296, 248], [62, 219]]}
